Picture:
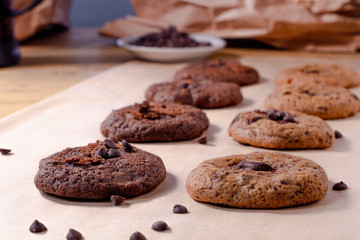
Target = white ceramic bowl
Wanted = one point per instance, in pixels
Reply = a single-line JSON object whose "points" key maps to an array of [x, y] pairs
{"points": [[168, 54]]}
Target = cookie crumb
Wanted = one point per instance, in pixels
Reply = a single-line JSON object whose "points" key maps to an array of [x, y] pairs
{"points": [[159, 226], [338, 134], [137, 236], [5, 151], [74, 235], [340, 186], [202, 140], [180, 209], [117, 200], [37, 227]]}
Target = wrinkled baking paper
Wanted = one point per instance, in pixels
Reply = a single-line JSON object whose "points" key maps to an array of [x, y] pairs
{"points": [[323, 25]]}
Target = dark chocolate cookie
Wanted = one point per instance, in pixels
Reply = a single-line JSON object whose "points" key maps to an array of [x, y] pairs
{"points": [[98, 171], [202, 94], [155, 122], [219, 70]]}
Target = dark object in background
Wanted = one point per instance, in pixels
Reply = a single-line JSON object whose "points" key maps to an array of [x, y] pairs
{"points": [[170, 37], [9, 47]]}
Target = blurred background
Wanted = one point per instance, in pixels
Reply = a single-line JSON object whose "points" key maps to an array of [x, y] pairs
{"points": [[86, 13]]}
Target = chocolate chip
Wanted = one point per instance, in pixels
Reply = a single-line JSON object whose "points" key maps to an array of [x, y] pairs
{"points": [[117, 200], [307, 92], [159, 226], [285, 182], [324, 109], [5, 151], [202, 140], [356, 97], [180, 209], [339, 186], [113, 153], [288, 118], [184, 85], [37, 227], [109, 143], [338, 134], [73, 235], [102, 153], [137, 236], [272, 114], [255, 119], [126, 145], [255, 166]]}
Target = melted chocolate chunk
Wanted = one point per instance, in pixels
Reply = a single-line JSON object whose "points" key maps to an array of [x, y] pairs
{"points": [[37, 227], [137, 236], [117, 200], [255, 166], [340, 186], [338, 134], [255, 119], [288, 118], [159, 226], [74, 235], [280, 116], [113, 153], [5, 151], [102, 153], [202, 140], [180, 209], [109, 143], [126, 145]]}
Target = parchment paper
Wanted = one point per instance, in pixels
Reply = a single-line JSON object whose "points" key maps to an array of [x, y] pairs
{"points": [[72, 118]]}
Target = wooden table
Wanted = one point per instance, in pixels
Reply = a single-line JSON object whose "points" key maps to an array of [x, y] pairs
{"points": [[55, 61]]}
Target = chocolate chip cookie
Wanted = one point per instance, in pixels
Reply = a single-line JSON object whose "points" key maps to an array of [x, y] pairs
{"points": [[281, 130], [219, 70], [202, 94], [99, 170], [330, 74], [327, 102], [155, 122], [258, 180]]}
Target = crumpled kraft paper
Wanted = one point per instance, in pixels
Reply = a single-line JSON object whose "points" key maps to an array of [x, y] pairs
{"points": [[48, 12], [323, 25]]}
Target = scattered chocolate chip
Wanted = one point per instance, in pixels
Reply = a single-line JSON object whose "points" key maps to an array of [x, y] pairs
{"points": [[117, 200], [126, 145], [102, 153], [113, 153], [73, 235], [5, 151], [339, 186], [37, 227], [159, 226], [180, 209], [109, 143], [202, 140], [338, 134], [137, 236], [255, 119], [256, 166]]}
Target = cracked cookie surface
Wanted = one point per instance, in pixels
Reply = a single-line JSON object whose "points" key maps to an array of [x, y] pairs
{"points": [[281, 130], [219, 70], [202, 94], [88, 173], [327, 102], [330, 74], [258, 180], [155, 122]]}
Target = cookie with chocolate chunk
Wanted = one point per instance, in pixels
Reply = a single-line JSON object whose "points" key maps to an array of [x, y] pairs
{"points": [[327, 102], [155, 122], [281, 130], [258, 180], [99, 170], [202, 94], [329, 74], [219, 70]]}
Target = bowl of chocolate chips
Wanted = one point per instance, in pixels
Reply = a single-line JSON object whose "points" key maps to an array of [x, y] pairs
{"points": [[171, 45]]}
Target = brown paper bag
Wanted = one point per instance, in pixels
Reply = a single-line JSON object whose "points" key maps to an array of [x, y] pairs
{"points": [[312, 25], [47, 13]]}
